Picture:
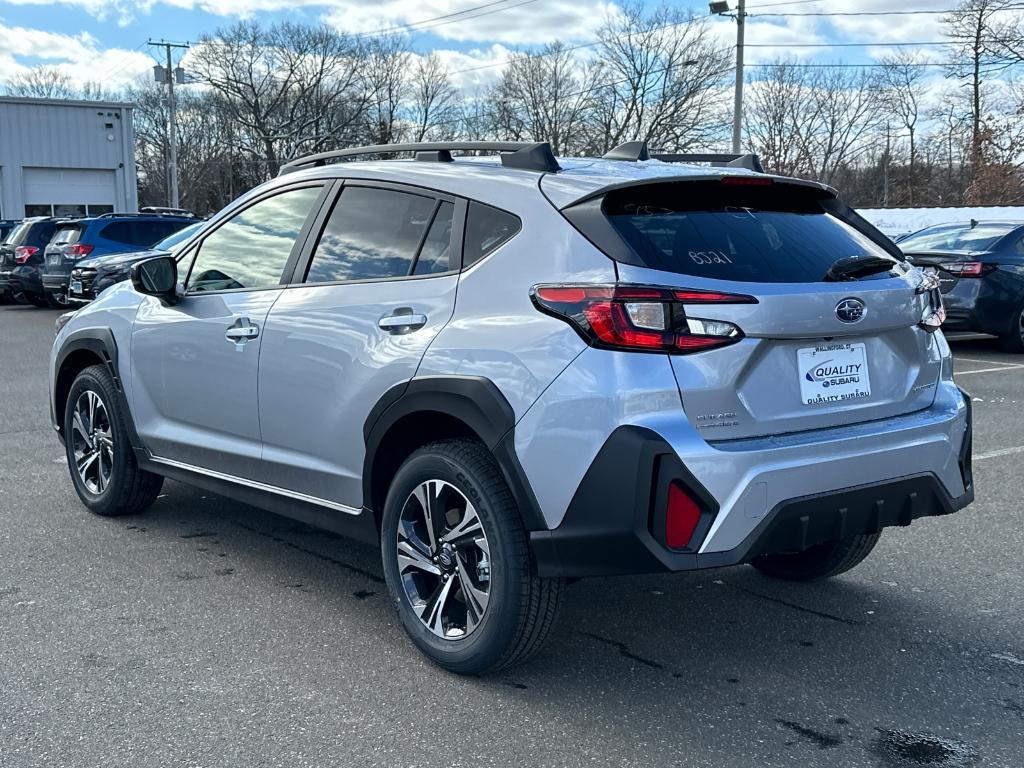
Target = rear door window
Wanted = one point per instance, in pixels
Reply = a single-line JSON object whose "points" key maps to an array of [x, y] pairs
{"points": [[372, 234], [750, 233], [119, 232]]}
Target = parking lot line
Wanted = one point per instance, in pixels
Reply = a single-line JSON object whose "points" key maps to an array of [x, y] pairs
{"points": [[998, 453], [987, 362], [1007, 367]]}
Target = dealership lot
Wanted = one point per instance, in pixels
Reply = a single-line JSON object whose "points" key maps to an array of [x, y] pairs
{"points": [[208, 633]]}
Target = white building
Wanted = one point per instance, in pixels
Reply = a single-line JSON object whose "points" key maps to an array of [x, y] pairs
{"points": [[66, 158]]}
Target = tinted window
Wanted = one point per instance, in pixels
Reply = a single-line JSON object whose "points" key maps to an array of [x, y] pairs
{"points": [[966, 238], [251, 249], [66, 236], [150, 232], [119, 232], [486, 229], [725, 232], [435, 254], [371, 233]]}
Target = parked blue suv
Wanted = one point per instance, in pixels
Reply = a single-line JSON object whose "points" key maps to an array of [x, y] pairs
{"points": [[109, 233]]}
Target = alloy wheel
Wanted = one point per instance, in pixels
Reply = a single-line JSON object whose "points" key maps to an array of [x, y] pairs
{"points": [[92, 441], [444, 559]]}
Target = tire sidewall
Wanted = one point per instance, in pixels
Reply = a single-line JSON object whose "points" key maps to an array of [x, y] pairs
{"points": [[499, 627], [98, 380]]}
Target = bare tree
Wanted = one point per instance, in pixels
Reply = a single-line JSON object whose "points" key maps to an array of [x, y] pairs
{"points": [[386, 67], [902, 96], [289, 88], [46, 82], [433, 109], [661, 78], [544, 96]]}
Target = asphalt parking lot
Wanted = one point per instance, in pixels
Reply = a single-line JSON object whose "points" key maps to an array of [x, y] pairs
{"points": [[208, 633]]}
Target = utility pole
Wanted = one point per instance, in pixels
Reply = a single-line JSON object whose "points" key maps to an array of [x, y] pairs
{"points": [[721, 8], [168, 76]]}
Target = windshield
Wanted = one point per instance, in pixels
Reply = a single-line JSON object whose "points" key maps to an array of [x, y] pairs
{"points": [[169, 242], [980, 237]]}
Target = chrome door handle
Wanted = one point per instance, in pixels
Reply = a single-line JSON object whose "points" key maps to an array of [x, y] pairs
{"points": [[402, 320], [242, 331]]}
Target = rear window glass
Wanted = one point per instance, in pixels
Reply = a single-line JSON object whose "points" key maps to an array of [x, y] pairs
{"points": [[66, 236], [726, 232], [486, 229], [17, 236], [966, 238]]}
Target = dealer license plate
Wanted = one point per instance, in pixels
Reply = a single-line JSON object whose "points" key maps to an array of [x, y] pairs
{"points": [[76, 286], [833, 373]]}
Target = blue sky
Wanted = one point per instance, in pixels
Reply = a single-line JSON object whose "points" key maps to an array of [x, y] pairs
{"points": [[105, 39]]}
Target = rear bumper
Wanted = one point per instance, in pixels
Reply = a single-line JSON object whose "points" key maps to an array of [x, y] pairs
{"points": [[27, 279], [56, 283], [612, 524]]}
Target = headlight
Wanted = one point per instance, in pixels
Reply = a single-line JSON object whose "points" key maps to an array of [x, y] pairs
{"points": [[61, 321]]}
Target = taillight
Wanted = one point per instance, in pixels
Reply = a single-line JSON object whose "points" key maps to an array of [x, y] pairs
{"points": [[681, 517], [968, 268], [77, 250], [640, 318], [24, 252]]}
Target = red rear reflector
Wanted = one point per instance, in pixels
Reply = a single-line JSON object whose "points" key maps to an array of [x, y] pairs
{"points": [[24, 252], [746, 181], [681, 517], [713, 297]]}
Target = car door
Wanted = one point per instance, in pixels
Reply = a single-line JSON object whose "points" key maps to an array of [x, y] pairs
{"points": [[377, 287], [194, 363]]}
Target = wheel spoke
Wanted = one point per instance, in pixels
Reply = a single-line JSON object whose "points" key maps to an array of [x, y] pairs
{"points": [[468, 526], [410, 556], [476, 598], [426, 494], [86, 461], [91, 399], [80, 428], [101, 481], [435, 612]]}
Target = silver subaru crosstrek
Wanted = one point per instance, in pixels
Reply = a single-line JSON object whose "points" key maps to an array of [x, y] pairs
{"points": [[511, 371]]}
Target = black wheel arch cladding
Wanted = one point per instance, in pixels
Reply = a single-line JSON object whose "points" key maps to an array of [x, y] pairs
{"points": [[474, 401]]}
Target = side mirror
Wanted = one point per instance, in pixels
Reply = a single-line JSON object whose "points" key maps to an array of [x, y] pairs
{"points": [[157, 277]]}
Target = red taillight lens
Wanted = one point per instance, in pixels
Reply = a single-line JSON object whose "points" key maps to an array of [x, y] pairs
{"points": [[640, 318], [78, 250], [681, 517], [24, 252], [967, 268]]}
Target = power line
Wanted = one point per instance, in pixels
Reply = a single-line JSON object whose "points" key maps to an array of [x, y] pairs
{"points": [[448, 18], [875, 13], [844, 45]]}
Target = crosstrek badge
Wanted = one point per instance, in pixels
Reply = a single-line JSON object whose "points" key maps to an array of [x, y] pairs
{"points": [[833, 373]]}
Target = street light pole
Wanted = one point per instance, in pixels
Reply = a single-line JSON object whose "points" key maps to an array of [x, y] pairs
{"points": [[172, 128], [737, 115]]}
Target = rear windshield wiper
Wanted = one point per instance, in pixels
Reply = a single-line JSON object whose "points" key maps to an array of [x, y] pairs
{"points": [[855, 267]]}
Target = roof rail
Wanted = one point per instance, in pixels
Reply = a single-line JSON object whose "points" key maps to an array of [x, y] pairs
{"points": [[748, 161], [527, 156], [631, 150]]}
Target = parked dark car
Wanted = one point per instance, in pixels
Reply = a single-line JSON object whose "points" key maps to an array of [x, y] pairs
{"points": [[77, 239], [21, 260], [91, 276], [981, 269]]}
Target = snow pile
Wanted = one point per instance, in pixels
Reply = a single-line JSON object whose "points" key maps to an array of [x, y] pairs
{"points": [[901, 221]]}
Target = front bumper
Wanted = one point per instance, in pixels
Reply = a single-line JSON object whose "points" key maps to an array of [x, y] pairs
{"points": [[612, 524]]}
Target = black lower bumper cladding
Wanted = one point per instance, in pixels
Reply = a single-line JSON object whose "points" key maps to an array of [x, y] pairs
{"points": [[612, 522]]}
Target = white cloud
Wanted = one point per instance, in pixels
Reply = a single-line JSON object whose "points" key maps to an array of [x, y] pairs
{"points": [[78, 56]]}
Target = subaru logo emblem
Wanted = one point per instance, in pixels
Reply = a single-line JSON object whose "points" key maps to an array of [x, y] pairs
{"points": [[850, 310]]}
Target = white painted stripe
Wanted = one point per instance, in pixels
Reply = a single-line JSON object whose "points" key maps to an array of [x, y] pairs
{"points": [[976, 360], [997, 454], [988, 370]]}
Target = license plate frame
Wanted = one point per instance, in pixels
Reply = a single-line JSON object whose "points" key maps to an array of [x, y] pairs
{"points": [[833, 373], [75, 287]]}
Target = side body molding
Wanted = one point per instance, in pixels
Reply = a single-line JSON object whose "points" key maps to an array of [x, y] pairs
{"points": [[473, 400]]}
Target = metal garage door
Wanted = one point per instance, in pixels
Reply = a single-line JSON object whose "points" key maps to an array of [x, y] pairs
{"points": [[69, 191]]}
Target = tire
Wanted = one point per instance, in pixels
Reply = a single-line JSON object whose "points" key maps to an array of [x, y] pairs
{"points": [[36, 300], [53, 302], [821, 561], [1013, 339], [491, 555], [111, 484]]}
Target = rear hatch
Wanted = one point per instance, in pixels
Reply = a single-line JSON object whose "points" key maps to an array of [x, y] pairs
{"points": [[64, 248], [951, 266], [809, 352]]}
